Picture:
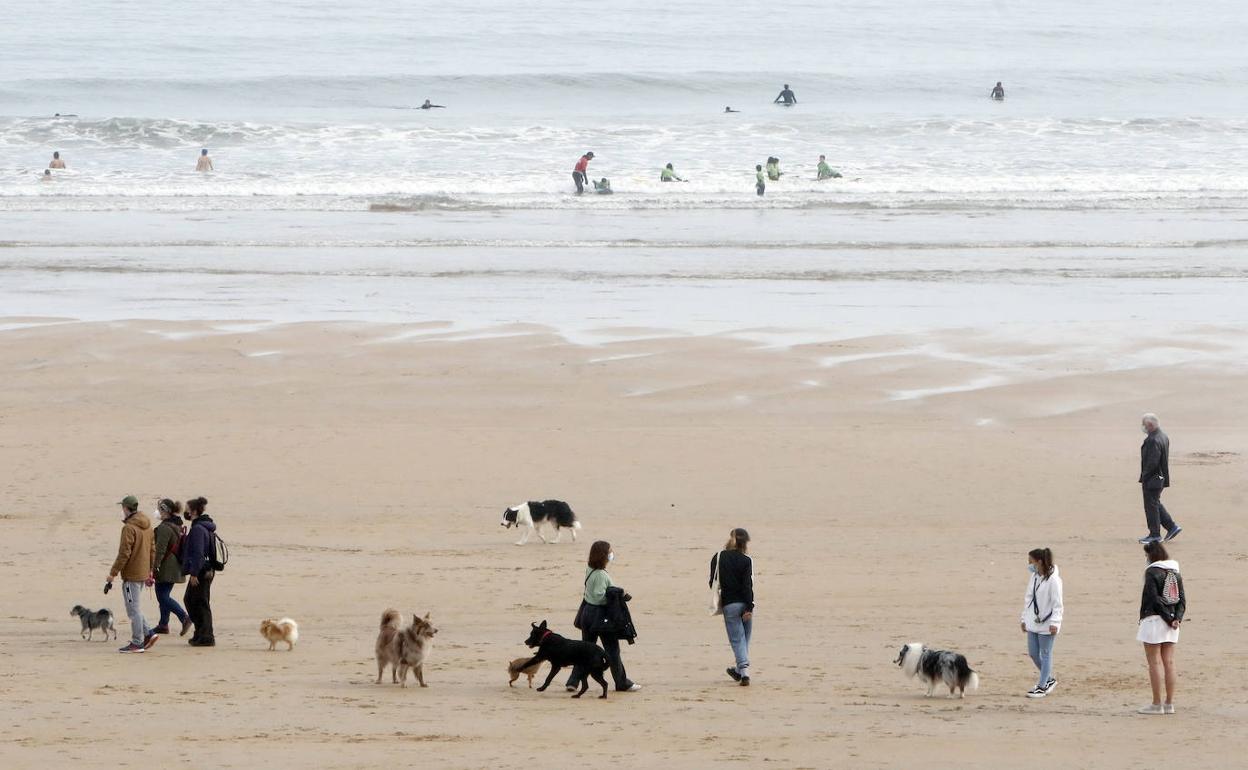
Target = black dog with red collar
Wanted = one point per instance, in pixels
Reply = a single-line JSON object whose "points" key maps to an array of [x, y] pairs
{"points": [[560, 651]]}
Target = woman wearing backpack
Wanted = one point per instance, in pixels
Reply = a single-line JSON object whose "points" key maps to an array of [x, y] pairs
{"points": [[1042, 616], [1162, 606], [168, 570], [733, 570]]}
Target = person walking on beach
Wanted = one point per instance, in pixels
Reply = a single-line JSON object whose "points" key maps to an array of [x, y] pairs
{"points": [[668, 174], [760, 181], [168, 568], [135, 554], [197, 551], [998, 92], [593, 613], [824, 171], [1041, 619], [787, 96], [56, 161], [580, 171], [733, 570], [1162, 606], [204, 163], [1154, 477]]}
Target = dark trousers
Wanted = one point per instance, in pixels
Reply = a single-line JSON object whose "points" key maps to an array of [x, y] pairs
{"points": [[168, 604], [197, 606], [579, 178], [760, 189], [1156, 513], [610, 645]]}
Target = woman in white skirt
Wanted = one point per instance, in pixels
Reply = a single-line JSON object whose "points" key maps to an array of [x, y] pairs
{"points": [[1161, 611]]}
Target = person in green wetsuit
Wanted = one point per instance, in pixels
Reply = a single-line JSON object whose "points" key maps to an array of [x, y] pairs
{"points": [[668, 174], [760, 185], [602, 186], [826, 171], [773, 169]]}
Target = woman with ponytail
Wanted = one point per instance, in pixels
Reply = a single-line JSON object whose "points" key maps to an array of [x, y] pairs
{"points": [[1042, 616], [734, 571]]}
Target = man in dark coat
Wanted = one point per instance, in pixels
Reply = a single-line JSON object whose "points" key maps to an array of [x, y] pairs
{"points": [[1154, 477]]}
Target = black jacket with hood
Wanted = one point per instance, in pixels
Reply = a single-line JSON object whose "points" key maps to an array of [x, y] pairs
{"points": [[1154, 582]]}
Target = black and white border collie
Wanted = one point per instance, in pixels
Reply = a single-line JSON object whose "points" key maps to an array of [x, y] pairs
{"points": [[932, 666], [531, 515]]}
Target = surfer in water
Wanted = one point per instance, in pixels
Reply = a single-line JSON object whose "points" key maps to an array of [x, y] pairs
{"points": [[787, 96], [204, 163], [56, 161], [602, 186], [825, 171], [760, 181], [428, 105], [47, 176], [998, 92], [729, 109], [580, 171], [773, 169], [668, 174]]}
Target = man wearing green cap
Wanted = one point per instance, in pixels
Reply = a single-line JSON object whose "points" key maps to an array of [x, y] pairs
{"points": [[135, 556]]}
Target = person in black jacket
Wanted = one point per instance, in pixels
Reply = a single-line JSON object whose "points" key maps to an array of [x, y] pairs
{"points": [[735, 573], [1161, 613], [196, 554], [1154, 477]]}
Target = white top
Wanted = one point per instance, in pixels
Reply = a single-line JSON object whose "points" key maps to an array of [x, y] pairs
{"points": [[1048, 603]]}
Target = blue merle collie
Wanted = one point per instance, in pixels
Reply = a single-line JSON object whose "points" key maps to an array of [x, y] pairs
{"points": [[531, 515], [932, 666]]}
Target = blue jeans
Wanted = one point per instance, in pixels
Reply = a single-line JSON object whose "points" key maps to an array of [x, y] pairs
{"points": [[1040, 648], [738, 635], [168, 604]]}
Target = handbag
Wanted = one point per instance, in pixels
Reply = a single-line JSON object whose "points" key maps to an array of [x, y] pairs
{"points": [[579, 621], [717, 604]]}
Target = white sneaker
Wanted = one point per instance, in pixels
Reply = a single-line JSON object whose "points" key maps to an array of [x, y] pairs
{"points": [[634, 688], [1169, 708], [1152, 708]]}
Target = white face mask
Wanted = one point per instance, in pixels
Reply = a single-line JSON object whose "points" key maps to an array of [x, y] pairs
{"points": [[1143, 429], [611, 556]]}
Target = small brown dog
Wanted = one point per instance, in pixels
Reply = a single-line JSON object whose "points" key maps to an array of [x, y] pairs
{"points": [[284, 630], [404, 649], [514, 670]]}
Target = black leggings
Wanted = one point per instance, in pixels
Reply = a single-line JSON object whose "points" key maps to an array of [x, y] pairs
{"points": [[610, 644], [579, 178], [198, 607]]}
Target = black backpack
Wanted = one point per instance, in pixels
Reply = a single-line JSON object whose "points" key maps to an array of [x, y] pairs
{"points": [[219, 556]]}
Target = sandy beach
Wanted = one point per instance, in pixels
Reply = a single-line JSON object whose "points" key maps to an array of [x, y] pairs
{"points": [[892, 486]]}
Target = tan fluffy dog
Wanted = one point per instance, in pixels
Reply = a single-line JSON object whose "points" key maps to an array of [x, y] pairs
{"points": [[403, 649], [386, 649], [514, 670], [284, 630]]}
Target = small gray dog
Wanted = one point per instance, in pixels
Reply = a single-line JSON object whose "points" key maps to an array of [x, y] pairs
{"points": [[91, 620]]}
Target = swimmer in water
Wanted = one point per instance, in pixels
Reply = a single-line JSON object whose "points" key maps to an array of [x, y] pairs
{"points": [[47, 176], [204, 163], [787, 95], [602, 186], [773, 169], [668, 174], [729, 109], [998, 92], [760, 181], [56, 161], [428, 105], [825, 171]]}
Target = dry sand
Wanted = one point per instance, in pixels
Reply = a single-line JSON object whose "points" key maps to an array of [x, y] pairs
{"points": [[353, 468]]}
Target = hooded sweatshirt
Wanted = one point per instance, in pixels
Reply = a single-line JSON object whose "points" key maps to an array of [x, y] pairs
{"points": [[1154, 583], [198, 545], [1043, 598], [137, 549]]}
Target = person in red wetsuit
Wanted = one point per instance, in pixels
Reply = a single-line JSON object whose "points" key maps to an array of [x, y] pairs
{"points": [[579, 173]]}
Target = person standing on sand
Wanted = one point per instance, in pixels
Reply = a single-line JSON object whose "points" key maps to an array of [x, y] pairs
{"points": [[204, 163], [1162, 606], [1154, 477], [196, 552], [56, 161], [135, 554], [593, 612], [580, 171], [734, 571], [760, 181], [1042, 616], [168, 569]]}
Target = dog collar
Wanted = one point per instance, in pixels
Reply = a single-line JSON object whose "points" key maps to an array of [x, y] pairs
{"points": [[546, 634]]}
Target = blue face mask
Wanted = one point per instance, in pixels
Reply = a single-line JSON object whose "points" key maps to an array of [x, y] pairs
{"points": [[1031, 568]]}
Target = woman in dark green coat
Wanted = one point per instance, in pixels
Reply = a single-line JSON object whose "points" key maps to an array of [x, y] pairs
{"points": [[168, 568]]}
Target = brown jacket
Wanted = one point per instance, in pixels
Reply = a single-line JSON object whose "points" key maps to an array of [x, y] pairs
{"points": [[137, 550]]}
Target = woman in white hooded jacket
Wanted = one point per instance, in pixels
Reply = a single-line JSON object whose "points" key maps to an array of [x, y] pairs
{"points": [[1041, 619]]}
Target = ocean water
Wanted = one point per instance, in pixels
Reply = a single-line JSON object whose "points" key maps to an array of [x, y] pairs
{"points": [[1113, 176]]}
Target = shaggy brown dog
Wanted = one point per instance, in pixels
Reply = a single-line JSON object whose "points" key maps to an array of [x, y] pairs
{"points": [[514, 670], [404, 649], [386, 649]]}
